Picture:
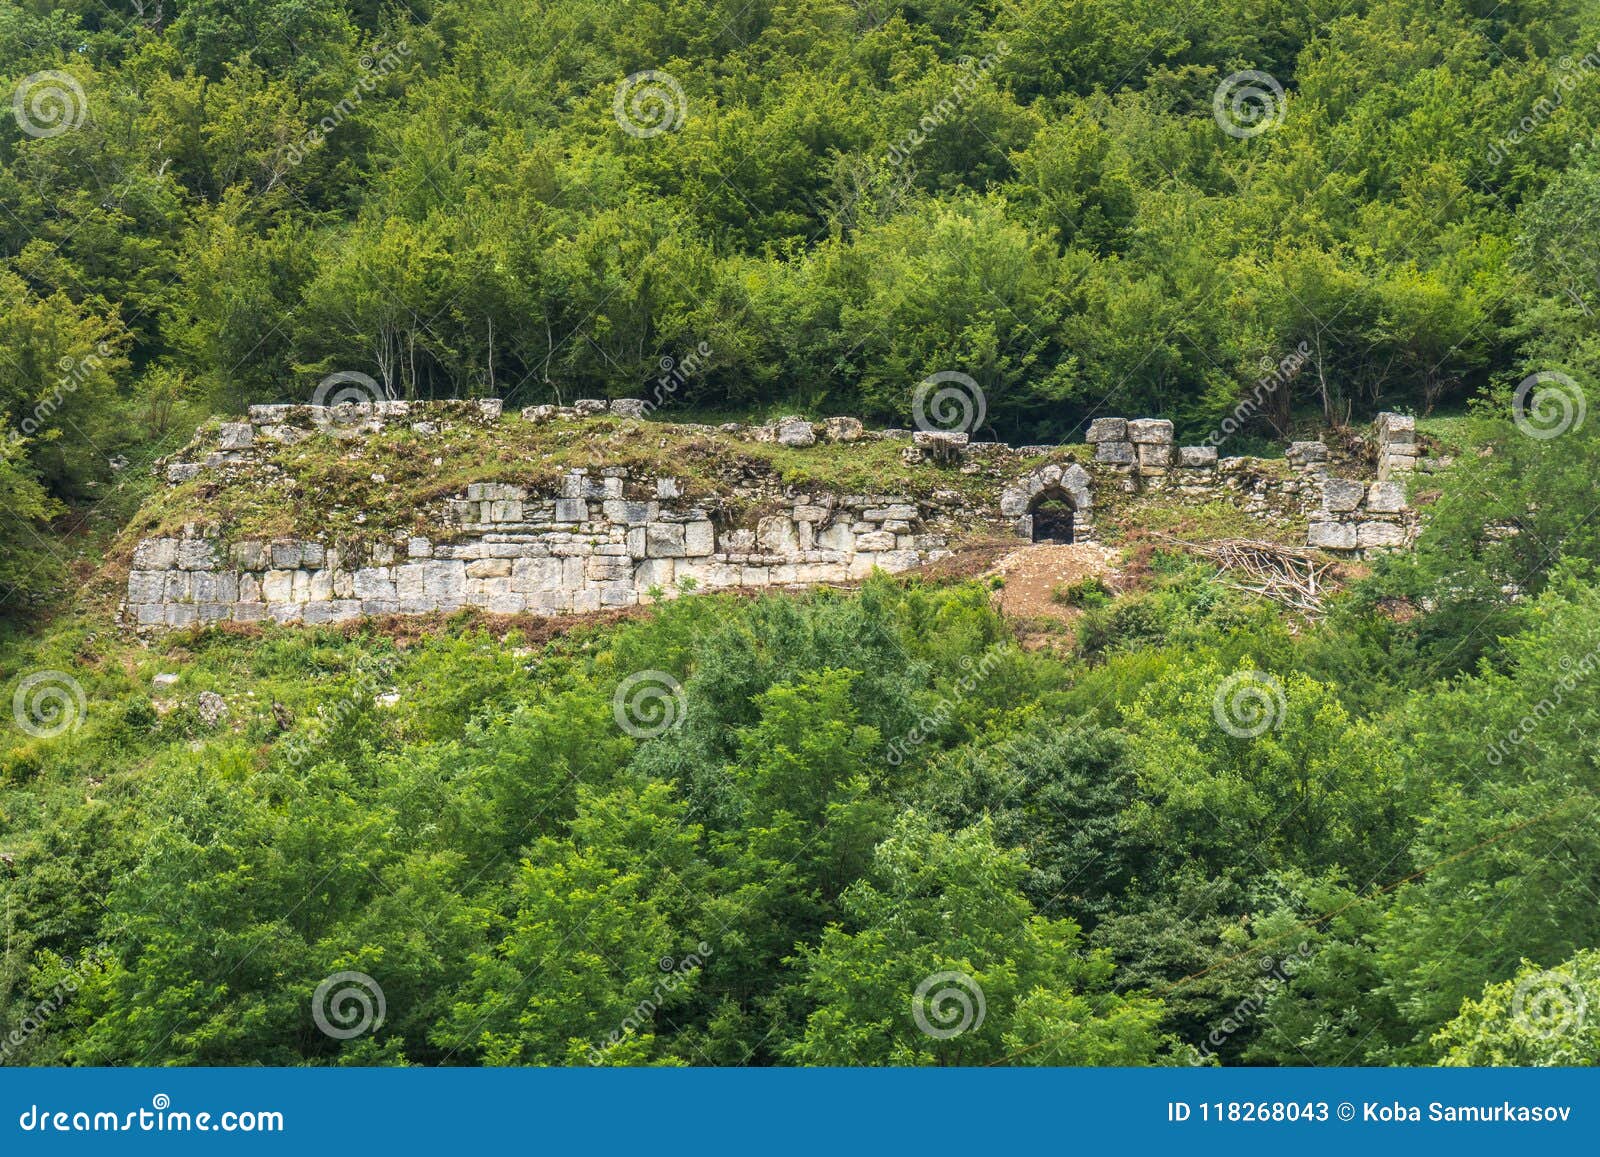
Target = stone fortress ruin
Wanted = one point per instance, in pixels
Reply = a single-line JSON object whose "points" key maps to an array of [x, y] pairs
{"points": [[614, 536]]}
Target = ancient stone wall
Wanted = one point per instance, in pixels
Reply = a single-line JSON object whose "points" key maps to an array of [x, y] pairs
{"points": [[613, 537]]}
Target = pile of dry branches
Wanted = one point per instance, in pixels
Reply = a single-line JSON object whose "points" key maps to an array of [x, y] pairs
{"points": [[1288, 575]]}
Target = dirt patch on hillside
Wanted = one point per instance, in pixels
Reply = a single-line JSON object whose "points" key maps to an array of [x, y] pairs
{"points": [[1033, 572]]}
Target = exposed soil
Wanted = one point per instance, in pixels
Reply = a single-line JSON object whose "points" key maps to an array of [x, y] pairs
{"points": [[1031, 573]]}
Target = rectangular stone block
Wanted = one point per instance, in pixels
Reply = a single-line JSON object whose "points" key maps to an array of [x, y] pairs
{"points": [[1107, 430], [1386, 497], [1396, 429], [1340, 495], [277, 586], [235, 436], [699, 538], [285, 555], [1154, 455], [664, 540], [374, 582], [657, 572], [603, 568], [1150, 432], [197, 554], [180, 614], [251, 555], [837, 537], [1197, 457], [900, 512], [529, 575], [875, 540], [150, 614], [145, 586], [156, 554], [1380, 534], [489, 568], [571, 510], [1331, 536]]}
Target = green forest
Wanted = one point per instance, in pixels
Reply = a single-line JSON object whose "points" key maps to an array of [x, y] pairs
{"points": [[878, 826]]}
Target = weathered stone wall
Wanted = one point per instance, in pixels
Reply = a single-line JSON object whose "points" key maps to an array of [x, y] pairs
{"points": [[613, 537], [604, 540]]}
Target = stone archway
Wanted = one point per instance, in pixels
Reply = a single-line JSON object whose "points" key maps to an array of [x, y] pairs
{"points": [[1052, 513], [1018, 502]]}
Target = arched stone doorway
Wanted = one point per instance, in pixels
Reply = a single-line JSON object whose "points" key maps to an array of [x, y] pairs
{"points": [[1052, 513], [1061, 495]]}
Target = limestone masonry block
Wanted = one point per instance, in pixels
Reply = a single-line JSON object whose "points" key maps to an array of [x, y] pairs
{"points": [[628, 407], [1331, 536], [776, 534], [664, 540], [1386, 497], [144, 586], [1115, 453], [1197, 457], [1107, 430], [1380, 534], [1150, 431], [1306, 453], [196, 554], [1154, 455], [1340, 495], [699, 538], [1395, 429], [156, 554]]}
